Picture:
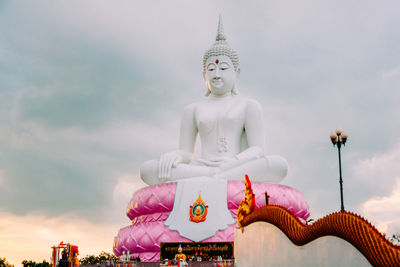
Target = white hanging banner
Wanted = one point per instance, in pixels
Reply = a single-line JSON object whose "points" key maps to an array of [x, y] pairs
{"points": [[205, 199]]}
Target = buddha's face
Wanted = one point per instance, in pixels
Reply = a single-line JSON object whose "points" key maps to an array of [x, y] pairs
{"points": [[220, 75]]}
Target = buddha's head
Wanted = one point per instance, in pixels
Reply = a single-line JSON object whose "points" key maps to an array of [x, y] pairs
{"points": [[220, 66]]}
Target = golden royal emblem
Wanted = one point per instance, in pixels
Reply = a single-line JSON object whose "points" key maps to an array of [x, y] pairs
{"points": [[198, 210]]}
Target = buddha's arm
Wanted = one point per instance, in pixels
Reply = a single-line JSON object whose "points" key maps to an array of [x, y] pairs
{"points": [[254, 127], [187, 141], [188, 133]]}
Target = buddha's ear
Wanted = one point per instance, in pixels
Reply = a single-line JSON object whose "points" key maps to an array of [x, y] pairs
{"points": [[238, 73], [208, 92], [234, 91], [204, 75]]}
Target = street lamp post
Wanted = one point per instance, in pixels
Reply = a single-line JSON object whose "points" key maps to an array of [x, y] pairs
{"points": [[338, 138]]}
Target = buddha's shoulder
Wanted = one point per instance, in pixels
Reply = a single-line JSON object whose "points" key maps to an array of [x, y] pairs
{"points": [[197, 104], [252, 102], [248, 102]]}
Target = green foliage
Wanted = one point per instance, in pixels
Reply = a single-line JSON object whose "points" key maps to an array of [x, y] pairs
{"points": [[92, 259], [89, 259], [4, 263], [30, 263], [26, 263]]}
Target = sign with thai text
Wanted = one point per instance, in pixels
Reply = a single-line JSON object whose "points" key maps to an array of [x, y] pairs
{"points": [[206, 251]]}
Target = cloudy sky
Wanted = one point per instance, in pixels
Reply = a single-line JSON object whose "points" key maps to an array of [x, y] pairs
{"points": [[91, 89]]}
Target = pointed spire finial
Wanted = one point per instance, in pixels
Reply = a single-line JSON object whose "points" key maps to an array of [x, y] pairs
{"points": [[220, 31], [219, 48]]}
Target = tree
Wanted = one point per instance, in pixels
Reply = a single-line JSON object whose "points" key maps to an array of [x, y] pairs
{"points": [[31, 263], [43, 264], [4, 263], [92, 259], [89, 259]]}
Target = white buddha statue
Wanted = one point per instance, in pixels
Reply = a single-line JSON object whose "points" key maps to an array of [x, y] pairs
{"points": [[230, 127]]}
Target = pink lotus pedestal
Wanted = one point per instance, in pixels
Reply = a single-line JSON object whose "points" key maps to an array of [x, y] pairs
{"points": [[150, 207]]}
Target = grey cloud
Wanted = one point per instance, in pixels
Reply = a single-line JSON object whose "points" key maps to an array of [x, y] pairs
{"points": [[88, 90], [313, 66], [39, 182], [67, 79]]}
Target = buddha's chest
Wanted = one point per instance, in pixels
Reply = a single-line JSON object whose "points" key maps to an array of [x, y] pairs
{"points": [[220, 118]]}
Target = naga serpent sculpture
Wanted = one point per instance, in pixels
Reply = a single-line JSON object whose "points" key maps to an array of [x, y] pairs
{"points": [[345, 225]]}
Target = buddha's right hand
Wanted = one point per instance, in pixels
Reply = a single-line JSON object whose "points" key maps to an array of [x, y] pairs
{"points": [[167, 162]]}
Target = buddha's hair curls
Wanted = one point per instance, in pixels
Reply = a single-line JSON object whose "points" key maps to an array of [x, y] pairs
{"points": [[221, 48]]}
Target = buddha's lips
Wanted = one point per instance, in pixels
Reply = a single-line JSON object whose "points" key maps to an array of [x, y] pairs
{"points": [[217, 82]]}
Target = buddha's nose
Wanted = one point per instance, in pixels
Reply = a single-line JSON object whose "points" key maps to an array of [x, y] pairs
{"points": [[217, 73]]}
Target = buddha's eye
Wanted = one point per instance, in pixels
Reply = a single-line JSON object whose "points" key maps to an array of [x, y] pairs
{"points": [[223, 66], [211, 67]]}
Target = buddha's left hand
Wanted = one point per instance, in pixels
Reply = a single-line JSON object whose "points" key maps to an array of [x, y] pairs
{"points": [[227, 163], [217, 161]]}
